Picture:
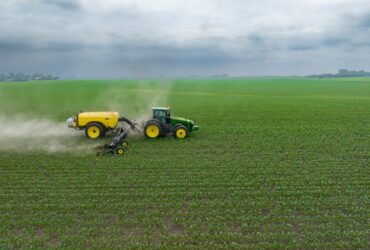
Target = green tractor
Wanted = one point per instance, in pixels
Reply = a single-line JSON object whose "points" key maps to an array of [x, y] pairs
{"points": [[162, 124]]}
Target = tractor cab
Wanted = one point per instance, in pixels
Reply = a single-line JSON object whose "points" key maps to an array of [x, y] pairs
{"points": [[162, 114]]}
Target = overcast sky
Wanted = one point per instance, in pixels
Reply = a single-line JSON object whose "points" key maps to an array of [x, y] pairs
{"points": [[150, 38]]}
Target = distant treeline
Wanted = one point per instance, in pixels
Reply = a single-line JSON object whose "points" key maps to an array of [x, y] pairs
{"points": [[17, 77], [344, 73]]}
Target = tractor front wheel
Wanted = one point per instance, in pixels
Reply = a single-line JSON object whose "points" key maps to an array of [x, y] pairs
{"points": [[153, 129], [94, 130], [181, 132]]}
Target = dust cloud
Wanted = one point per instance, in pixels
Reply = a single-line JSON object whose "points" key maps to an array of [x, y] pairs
{"points": [[25, 134], [136, 103]]}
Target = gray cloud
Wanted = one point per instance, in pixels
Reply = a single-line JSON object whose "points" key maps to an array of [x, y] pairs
{"points": [[170, 38], [365, 21], [9, 47], [68, 5]]}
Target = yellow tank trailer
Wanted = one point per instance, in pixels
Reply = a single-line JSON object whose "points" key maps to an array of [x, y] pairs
{"points": [[95, 124]]}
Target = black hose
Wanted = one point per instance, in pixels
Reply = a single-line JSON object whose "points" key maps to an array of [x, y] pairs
{"points": [[132, 124]]}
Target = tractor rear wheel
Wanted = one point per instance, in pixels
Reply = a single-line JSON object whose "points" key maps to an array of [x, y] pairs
{"points": [[94, 130], [153, 129], [181, 132]]}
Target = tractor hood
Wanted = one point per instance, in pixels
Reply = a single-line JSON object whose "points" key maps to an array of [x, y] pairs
{"points": [[180, 119], [191, 123]]}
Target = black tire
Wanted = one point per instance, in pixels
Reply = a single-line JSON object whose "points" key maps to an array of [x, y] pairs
{"points": [[94, 130], [120, 151], [124, 143], [181, 132], [152, 134]]}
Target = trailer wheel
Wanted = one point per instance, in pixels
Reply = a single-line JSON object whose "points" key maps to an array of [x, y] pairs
{"points": [[124, 144], [120, 151], [94, 130]]}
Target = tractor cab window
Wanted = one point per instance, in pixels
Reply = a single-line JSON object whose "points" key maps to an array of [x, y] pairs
{"points": [[160, 115]]}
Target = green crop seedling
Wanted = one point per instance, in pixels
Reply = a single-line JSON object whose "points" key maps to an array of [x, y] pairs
{"points": [[279, 163]]}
